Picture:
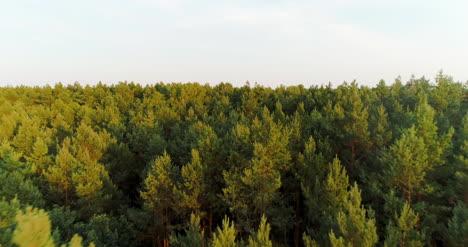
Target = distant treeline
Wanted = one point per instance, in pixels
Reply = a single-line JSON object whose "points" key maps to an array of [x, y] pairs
{"points": [[199, 165]]}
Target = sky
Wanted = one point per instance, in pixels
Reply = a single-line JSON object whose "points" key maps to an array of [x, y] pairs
{"points": [[271, 42]]}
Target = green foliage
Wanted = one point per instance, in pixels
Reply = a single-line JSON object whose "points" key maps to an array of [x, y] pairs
{"points": [[226, 235], [356, 227], [338, 242], [32, 228], [76, 241], [159, 186], [104, 230], [15, 184], [336, 188], [308, 242], [403, 230], [60, 174], [262, 179], [193, 237], [355, 122], [262, 237], [194, 185], [125, 164], [8, 210], [332, 197], [65, 224], [408, 162], [161, 195], [380, 131], [77, 172], [16, 179], [311, 171], [252, 187], [456, 233]]}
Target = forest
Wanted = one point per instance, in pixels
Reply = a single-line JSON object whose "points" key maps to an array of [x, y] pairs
{"points": [[192, 165]]}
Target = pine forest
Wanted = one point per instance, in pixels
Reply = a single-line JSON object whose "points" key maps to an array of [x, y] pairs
{"points": [[192, 165]]}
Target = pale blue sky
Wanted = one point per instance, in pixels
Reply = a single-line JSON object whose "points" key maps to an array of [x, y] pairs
{"points": [[270, 42]]}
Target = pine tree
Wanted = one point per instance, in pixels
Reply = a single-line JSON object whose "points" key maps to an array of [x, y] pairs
{"points": [[461, 173], [193, 237], [335, 190], [308, 241], [311, 168], [262, 237], [403, 230], [380, 131], [338, 242], [194, 189], [8, 210], [90, 145], [408, 163], [33, 229], [17, 185], [204, 139], [16, 178], [252, 187], [107, 231], [312, 164], [24, 138], [251, 193], [354, 123], [60, 174], [161, 195], [324, 199], [8, 123], [262, 179], [78, 173], [340, 212], [76, 241], [456, 233], [426, 129], [356, 227], [39, 157], [225, 236]]}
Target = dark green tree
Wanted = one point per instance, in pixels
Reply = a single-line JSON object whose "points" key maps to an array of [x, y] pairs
{"points": [[193, 235], [456, 233]]}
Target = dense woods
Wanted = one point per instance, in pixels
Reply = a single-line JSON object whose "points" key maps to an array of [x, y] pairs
{"points": [[199, 165]]}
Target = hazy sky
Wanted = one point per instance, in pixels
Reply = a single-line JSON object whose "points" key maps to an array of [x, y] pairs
{"points": [[271, 42]]}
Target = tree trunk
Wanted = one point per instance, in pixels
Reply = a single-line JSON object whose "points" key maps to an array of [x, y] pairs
{"points": [[298, 218], [211, 221]]}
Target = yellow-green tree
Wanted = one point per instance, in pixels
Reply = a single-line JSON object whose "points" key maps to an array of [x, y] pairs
{"points": [[77, 171], [262, 237], [33, 229], [225, 236], [355, 226], [194, 189], [408, 162], [403, 229], [161, 197]]}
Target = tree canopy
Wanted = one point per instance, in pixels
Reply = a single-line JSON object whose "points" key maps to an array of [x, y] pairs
{"points": [[199, 165]]}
